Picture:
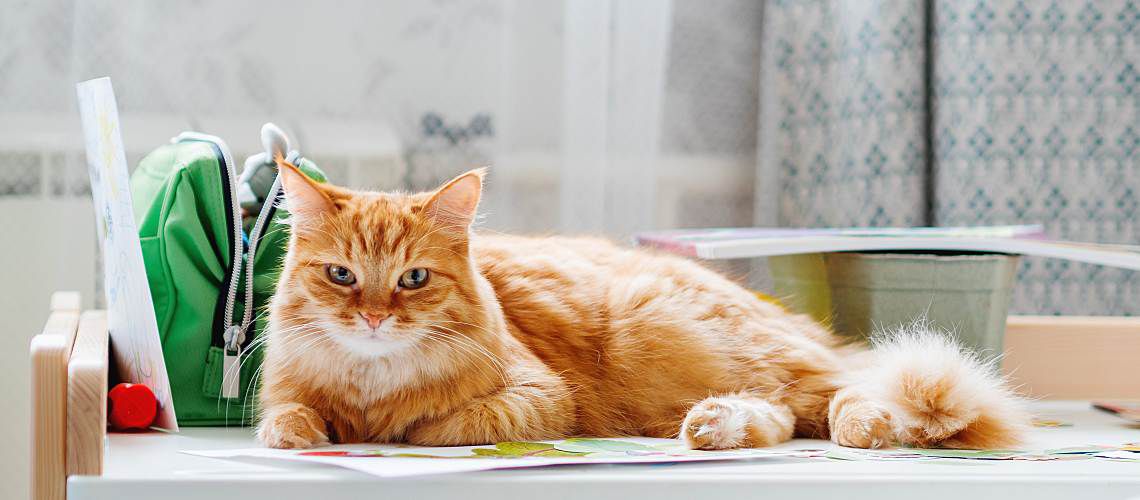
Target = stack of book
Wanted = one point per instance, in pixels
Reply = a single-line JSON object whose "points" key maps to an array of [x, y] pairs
{"points": [[863, 280]]}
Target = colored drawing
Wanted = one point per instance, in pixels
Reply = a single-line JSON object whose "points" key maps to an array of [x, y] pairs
{"points": [[130, 311], [403, 460]]}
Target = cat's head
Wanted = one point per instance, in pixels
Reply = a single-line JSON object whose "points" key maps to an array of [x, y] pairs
{"points": [[373, 271]]}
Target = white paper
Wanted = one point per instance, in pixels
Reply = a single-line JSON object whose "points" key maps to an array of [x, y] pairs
{"points": [[446, 460], [741, 243], [130, 310]]}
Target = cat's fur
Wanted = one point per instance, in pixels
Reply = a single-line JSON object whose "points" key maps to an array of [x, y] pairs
{"points": [[519, 338]]}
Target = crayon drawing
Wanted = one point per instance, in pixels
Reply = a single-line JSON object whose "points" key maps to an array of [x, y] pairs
{"points": [[130, 312]]}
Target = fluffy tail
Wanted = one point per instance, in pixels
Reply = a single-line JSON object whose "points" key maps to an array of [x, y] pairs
{"points": [[938, 395]]}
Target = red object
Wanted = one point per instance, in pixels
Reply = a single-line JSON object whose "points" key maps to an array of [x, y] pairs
{"points": [[131, 406]]}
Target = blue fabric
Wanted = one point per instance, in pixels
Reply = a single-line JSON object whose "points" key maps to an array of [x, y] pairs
{"points": [[846, 110], [1036, 120], [1031, 107]]}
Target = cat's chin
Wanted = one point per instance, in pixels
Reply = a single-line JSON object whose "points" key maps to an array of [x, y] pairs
{"points": [[371, 346]]}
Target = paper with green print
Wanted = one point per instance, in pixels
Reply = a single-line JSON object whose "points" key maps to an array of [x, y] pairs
{"points": [[395, 460], [404, 460]]}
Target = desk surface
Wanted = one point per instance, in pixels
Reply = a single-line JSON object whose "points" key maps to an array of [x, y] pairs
{"points": [[148, 466]]}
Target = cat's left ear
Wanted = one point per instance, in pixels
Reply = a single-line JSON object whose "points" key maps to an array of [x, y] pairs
{"points": [[455, 203]]}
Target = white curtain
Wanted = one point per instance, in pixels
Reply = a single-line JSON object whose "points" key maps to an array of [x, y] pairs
{"points": [[605, 123], [602, 117], [597, 116]]}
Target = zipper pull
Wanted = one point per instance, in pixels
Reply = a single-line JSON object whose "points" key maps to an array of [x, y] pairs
{"points": [[231, 362]]}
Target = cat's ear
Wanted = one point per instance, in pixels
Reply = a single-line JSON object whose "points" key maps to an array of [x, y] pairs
{"points": [[304, 198], [454, 204]]}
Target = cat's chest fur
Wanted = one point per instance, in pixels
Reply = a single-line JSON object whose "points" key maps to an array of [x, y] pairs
{"points": [[370, 381], [381, 400]]}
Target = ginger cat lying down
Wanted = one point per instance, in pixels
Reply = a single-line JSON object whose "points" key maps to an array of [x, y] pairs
{"points": [[393, 322]]}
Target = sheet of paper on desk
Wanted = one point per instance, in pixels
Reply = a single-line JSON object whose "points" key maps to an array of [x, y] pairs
{"points": [[130, 311], [743, 243], [399, 460], [402, 460]]}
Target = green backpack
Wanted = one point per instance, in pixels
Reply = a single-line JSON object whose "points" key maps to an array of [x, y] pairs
{"points": [[199, 222]]}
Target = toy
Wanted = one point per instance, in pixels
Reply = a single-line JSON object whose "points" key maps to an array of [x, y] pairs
{"points": [[131, 407]]}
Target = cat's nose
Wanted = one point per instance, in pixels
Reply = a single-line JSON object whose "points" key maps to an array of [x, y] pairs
{"points": [[374, 318]]}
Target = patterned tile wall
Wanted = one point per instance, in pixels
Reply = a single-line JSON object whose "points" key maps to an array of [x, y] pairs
{"points": [[1037, 120], [847, 111]]}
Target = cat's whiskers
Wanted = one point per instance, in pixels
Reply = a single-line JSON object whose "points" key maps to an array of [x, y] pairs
{"points": [[464, 323], [496, 363], [253, 346], [458, 346], [246, 357], [255, 403], [311, 340], [493, 361]]}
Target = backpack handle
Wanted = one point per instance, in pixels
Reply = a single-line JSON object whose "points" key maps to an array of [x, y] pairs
{"points": [[274, 141]]}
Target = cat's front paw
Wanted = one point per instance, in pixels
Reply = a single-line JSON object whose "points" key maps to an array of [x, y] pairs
{"points": [[292, 426], [712, 425], [724, 423]]}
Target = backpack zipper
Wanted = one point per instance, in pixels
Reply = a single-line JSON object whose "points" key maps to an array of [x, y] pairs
{"points": [[231, 335], [264, 217]]}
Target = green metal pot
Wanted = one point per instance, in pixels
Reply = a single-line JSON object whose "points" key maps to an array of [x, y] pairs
{"points": [[858, 293]]}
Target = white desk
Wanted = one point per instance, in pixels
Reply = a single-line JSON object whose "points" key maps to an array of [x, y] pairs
{"points": [[149, 467]]}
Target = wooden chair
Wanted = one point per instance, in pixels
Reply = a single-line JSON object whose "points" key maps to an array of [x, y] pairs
{"points": [[69, 392], [1074, 357]]}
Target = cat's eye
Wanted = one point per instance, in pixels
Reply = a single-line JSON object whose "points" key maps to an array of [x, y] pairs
{"points": [[414, 278], [340, 275]]}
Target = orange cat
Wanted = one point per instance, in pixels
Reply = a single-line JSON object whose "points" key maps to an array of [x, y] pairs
{"points": [[393, 322]]}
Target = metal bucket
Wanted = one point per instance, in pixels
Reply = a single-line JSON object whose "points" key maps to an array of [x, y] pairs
{"points": [[858, 293]]}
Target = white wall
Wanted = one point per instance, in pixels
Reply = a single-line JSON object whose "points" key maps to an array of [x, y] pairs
{"points": [[38, 254], [353, 80]]}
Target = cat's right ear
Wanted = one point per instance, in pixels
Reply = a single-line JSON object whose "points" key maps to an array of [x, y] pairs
{"points": [[454, 204], [304, 198]]}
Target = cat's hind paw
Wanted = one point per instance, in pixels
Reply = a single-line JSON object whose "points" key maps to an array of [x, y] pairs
{"points": [[292, 426], [861, 424]]}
